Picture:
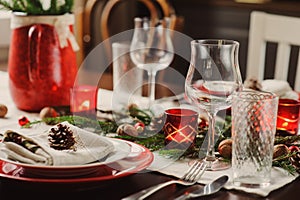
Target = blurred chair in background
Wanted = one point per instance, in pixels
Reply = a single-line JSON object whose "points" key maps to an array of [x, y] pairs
{"points": [[284, 31], [104, 18]]}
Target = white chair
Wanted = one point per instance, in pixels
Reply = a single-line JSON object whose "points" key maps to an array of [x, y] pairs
{"points": [[283, 30]]}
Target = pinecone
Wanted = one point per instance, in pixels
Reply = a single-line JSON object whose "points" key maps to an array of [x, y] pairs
{"points": [[62, 138]]}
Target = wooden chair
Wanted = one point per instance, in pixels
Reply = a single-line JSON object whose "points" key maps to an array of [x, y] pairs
{"points": [[282, 30], [100, 12], [156, 9]]}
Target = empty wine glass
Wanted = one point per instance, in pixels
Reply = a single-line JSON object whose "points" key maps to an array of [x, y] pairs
{"points": [[151, 49], [213, 76]]}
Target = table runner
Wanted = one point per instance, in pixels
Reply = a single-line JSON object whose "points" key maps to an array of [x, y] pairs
{"points": [[160, 164], [176, 168]]}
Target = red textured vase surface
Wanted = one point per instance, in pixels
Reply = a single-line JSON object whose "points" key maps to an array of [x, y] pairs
{"points": [[42, 61]]}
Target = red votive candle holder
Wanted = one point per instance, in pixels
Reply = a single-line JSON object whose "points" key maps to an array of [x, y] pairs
{"points": [[288, 116], [180, 128], [83, 98]]}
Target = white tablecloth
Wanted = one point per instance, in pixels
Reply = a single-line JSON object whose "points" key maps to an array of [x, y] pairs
{"points": [[160, 164]]}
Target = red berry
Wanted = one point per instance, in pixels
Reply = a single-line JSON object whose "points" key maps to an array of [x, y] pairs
{"points": [[139, 126], [23, 121], [203, 123], [294, 148]]}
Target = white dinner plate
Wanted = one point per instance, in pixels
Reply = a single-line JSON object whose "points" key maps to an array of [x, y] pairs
{"points": [[122, 149], [138, 159]]}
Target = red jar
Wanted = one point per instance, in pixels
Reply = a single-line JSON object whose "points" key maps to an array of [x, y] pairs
{"points": [[42, 61]]}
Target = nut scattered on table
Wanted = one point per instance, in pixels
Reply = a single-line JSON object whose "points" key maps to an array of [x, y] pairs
{"points": [[280, 150], [48, 112], [127, 129], [3, 110], [225, 148]]}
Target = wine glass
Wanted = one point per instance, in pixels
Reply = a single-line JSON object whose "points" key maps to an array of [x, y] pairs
{"points": [[151, 49], [213, 76]]}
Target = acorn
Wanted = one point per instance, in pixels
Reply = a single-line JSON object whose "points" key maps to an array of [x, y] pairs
{"points": [[225, 148], [48, 112], [280, 150], [3, 110]]}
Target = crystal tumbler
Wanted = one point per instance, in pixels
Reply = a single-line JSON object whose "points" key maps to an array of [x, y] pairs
{"points": [[253, 130]]}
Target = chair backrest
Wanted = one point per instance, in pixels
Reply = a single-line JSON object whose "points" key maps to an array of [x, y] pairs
{"points": [[157, 8], [283, 30]]}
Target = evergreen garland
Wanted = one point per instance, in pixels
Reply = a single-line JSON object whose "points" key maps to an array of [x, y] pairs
{"points": [[154, 140]]}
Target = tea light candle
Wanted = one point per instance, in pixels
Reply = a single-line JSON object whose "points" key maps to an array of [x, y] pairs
{"points": [[180, 128], [84, 98], [288, 116]]}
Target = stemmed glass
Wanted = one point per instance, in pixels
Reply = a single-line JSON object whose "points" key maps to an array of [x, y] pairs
{"points": [[213, 76], [151, 49]]}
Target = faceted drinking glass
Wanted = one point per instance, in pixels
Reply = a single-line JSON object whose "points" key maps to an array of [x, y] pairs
{"points": [[253, 130]]}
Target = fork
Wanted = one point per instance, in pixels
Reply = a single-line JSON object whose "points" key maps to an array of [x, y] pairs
{"points": [[189, 178]]}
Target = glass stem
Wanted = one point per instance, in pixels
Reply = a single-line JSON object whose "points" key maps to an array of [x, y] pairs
{"points": [[210, 155], [151, 87]]}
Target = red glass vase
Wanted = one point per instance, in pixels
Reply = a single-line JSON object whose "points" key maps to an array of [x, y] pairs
{"points": [[42, 61]]}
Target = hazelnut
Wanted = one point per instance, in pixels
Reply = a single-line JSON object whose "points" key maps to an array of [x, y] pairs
{"points": [[3, 110], [280, 150], [127, 129], [132, 108], [225, 148], [48, 112]]}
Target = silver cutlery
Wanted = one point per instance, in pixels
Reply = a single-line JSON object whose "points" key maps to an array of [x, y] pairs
{"points": [[189, 178], [208, 189]]}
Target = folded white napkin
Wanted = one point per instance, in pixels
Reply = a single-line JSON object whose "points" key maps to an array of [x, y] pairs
{"points": [[88, 147], [280, 87]]}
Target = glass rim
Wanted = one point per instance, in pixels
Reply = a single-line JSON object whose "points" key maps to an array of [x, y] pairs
{"points": [[289, 102], [186, 112], [215, 42], [266, 95]]}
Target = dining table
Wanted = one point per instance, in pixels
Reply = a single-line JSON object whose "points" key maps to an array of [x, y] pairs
{"points": [[14, 187]]}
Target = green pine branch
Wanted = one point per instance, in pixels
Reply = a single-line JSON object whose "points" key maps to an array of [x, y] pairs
{"points": [[34, 7]]}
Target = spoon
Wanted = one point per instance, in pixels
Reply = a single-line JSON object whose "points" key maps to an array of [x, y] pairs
{"points": [[208, 189]]}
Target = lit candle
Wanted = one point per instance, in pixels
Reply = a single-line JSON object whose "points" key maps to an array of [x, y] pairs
{"points": [[84, 98], [288, 116], [180, 128]]}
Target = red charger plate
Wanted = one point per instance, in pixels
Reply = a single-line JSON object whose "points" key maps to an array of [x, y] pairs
{"points": [[137, 160]]}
